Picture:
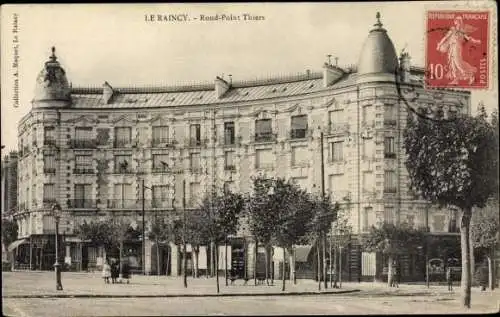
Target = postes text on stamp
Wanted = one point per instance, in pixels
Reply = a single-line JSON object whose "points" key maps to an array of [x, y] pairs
{"points": [[457, 49]]}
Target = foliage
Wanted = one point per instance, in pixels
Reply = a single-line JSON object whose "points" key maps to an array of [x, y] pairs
{"points": [[197, 232], [341, 229], [165, 229], [452, 162], [325, 214], [95, 231], [9, 231], [109, 233], [485, 227], [261, 221], [393, 240]]}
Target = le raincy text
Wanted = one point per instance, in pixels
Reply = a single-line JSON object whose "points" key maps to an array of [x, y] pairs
{"points": [[202, 17]]}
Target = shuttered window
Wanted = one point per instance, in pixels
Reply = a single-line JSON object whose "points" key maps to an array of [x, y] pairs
{"points": [[299, 126], [123, 136]]}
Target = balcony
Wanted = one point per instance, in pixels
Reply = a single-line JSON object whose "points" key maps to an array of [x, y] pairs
{"points": [[82, 144], [163, 142], [49, 170], [49, 202], [195, 170], [82, 203], [156, 203], [390, 122], [390, 155], [83, 171], [390, 190], [337, 128], [49, 142], [194, 142], [264, 137], [122, 143], [298, 134], [123, 171], [124, 204], [160, 170]]}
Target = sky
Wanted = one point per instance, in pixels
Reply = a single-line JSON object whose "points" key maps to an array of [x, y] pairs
{"points": [[118, 44]]}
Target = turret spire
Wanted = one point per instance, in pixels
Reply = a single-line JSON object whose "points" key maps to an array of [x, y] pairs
{"points": [[379, 23], [53, 57]]}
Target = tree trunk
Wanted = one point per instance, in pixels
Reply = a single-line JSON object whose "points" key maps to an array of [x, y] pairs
{"points": [[491, 282], [245, 259], [340, 267], [217, 267], [324, 262], [184, 264], [284, 266], [120, 274], [319, 263], [168, 260], [212, 259], [466, 256], [157, 258], [267, 264], [197, 263], [472, 261], [225, 260], [292, 265], [271, 266], [390, 275], [255, 262]]}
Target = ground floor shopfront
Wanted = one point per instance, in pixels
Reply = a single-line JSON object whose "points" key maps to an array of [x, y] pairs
{"points": [[240, 258]]}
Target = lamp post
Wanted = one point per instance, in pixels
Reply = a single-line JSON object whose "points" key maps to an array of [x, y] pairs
{"points": [[56, 212], [144, 187], [426, 263]]}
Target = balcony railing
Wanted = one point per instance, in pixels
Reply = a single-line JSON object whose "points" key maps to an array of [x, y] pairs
{"points": [[49, 202], [163, 142], [122, 143], [83, 144], [49, 142], [123, 171], [390, 122], [124, 203], [390, 155], [195, 170], [298, 134], [390, 190], [230, 167], [83, 171], [82, 203], [193, 142], [264, 137], [161, 203], [160, 170], [49, 170]]}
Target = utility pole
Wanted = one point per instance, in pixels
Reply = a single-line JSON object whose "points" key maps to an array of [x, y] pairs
{"points": [[323, 199], [184, 231], [143, 230]]}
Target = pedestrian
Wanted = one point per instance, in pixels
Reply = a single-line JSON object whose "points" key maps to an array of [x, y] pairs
{"points": [[114, 271], [396, 276], [449, 280], [106, 271], [483, 277]]}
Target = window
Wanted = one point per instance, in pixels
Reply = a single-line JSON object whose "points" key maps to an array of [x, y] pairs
{"points": [[83, 196], [389, 115], [300, 156], [123, 196], [336, 151], [160, 196], [160, 135], [123, 136], [194, 194], [264, 159], [367, 114], [389, 149], [195, 162], [83, 164], [195, 134], [336, 118], [123, 163], [299, 127], [228, 186], [33, 195], [228, 158], [83, 133], [368, 150], [389, 214], [390, 182], [102, 136], [160, 162], [228, 133], [49, 164], [34, 138], [367, 211], [49, 136], [49, 193], [263, 130], [337, 186]]}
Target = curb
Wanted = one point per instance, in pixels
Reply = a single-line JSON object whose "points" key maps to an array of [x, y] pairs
{"points": [[179, 295]]}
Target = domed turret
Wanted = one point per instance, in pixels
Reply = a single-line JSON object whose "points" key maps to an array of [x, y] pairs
{"points": [[378, 54], [52, 88]]}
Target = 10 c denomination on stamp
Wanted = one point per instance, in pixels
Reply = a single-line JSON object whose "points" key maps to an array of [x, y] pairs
{"points": [[457, 49]]}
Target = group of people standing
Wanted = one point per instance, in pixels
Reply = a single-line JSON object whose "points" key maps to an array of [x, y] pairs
{"points": [[111, 269]]}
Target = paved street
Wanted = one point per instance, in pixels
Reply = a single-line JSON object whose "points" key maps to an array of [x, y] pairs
{"points": [[371, 299]]}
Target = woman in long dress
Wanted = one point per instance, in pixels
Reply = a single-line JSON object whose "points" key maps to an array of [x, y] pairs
{"points": [[452, 44], [106, 271]]}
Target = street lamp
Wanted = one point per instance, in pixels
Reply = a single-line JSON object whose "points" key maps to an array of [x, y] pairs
{"points": [[144, 187], [56, 212], [426, 263]]}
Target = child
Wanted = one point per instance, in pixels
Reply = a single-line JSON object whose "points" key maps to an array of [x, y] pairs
{"points": [[106, 272]]}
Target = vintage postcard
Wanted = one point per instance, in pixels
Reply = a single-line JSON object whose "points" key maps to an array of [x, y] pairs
{"points": [[249, 159]]}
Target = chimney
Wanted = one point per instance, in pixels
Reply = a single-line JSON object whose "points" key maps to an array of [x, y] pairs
{"points": [[331, 74], [107, 92], [221, 87]]}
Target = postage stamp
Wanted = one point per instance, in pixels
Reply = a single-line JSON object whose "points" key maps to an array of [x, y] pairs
{"points": [[457, 49]]}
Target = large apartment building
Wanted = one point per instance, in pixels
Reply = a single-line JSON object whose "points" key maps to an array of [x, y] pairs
{"points": [[90, 148]]}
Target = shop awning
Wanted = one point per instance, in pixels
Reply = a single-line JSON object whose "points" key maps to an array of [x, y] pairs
{"points": [[302, 252], [16, 244]]}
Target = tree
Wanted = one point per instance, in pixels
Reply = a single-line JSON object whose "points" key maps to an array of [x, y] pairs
{"points": [[392, 240], [9, 231], [95, 232], [119, 230], [163, 229], [485, 234], [221, 212], [341, 232], [453, 162], [196, 234]]}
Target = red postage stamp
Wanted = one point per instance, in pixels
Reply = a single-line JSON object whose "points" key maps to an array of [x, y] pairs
{"points": [[457, 49]]}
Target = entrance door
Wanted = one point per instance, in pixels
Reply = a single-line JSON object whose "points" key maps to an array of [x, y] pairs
{"points": [[85, 258]]}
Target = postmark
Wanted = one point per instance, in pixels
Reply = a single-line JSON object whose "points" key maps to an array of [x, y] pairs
{"points": [[457, 49]]}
